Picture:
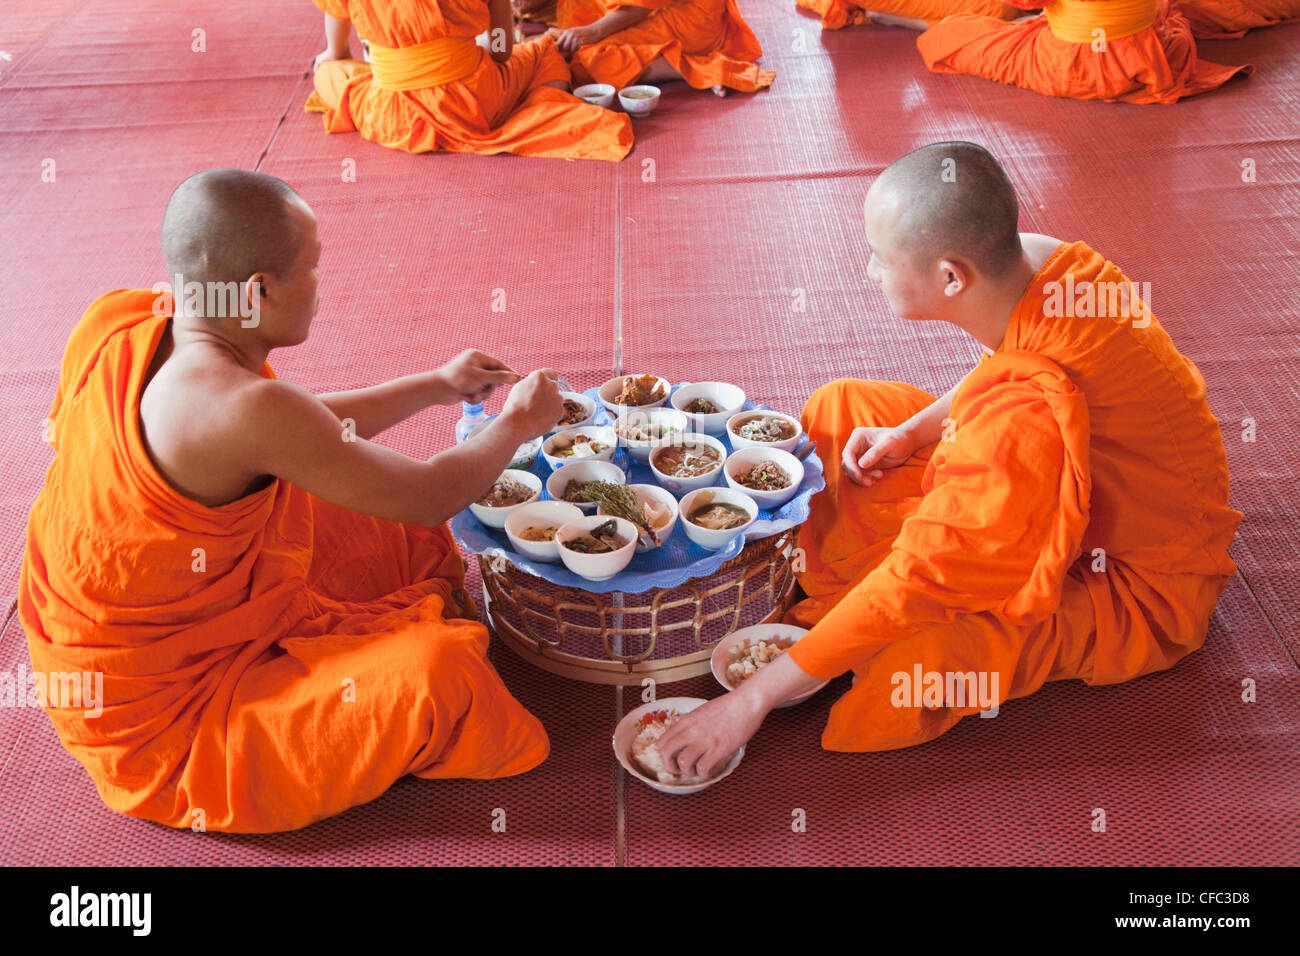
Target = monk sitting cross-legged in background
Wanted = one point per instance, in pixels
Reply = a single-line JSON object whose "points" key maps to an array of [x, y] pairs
{"points": [[1134, 51], [915, 14], [274, 601], [430, 86], [1061, 513], [621, 42]]}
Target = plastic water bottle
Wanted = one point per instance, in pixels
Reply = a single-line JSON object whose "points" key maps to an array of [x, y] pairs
{"points": [[471, 417]]}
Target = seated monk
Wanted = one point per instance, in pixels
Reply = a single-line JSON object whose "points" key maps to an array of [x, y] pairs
{"points": [[275, 603], [1132, 51], [916, 14], [1061, 513], [1229, 19], [621, 42], [430, 86]]}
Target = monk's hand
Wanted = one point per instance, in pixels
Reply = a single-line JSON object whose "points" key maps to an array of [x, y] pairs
{"points": [[870, 451], [472, 375], [535, 403], [568, 41], [701, 742]]}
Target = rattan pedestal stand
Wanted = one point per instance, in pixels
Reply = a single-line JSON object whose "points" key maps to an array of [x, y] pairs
{"points": [[617, 638]]}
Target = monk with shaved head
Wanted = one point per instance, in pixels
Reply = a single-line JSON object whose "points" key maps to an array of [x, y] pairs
{"points": [[1061, 513], [264, 607]]}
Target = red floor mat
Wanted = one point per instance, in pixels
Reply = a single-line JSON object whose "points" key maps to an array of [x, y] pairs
{"points": [[697, 251]]}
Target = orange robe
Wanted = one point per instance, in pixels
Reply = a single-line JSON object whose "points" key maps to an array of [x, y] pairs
{"points": [[496, 108], [1229, 19], [1072, 523], [1155, 64], [845, 13], [706, 41], [266, 663]]}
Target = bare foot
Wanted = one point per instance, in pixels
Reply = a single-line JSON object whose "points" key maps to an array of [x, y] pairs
{"points": [[719, 90]]}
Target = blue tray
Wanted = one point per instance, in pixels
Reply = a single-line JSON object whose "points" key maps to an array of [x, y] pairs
{"points": [[678, 559]]}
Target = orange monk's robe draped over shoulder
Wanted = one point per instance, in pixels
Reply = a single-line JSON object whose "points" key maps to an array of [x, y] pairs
{"points": [[706, 41], [266, 663], [494, 108], [1059, 53], [836, 14], [1229, 19], [1073, 523]]}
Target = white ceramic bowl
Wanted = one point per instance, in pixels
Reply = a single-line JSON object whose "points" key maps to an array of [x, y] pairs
{"points": [[600, 433], [609, 392], [729, 399], [596, 567], [707, 537], [664, 417], [639, 105], [679, 486], [721, 656], [626, 731], [661, 497], [785, 444], [496, 517], [535, 514], [747, 458], [588, 470], [597, 94], [525, 454], [588, 403]]}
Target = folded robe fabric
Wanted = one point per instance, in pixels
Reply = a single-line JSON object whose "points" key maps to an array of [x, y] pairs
{"points": [[837, 14], [1229, 19], [706, 41], [496, 108], [266, 663], [1072, 523], [1157, 64]]}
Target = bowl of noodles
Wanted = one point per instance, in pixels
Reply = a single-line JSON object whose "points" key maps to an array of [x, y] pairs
{"points": [[762, 428], [711, 517], [636, 746], [709, 405], [768, 475], [512, 489], [688, 462], [640, 432]]}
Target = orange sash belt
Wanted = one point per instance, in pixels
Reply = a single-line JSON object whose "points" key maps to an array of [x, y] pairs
{"points": [[433, 63], [1075, 20]]}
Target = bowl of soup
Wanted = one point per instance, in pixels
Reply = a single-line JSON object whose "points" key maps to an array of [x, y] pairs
{"points": [[639, 100], [596, 547], [768, 475], [708, 405], [763, 429], [512, 489], [687, 463], [711, 517], [531, 528], [597, 94], [589, 443]]}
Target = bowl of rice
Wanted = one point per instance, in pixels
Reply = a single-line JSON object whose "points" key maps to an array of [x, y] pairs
{"points": [[635, 746]]}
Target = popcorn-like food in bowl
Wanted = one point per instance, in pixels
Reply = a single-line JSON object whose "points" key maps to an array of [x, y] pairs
{"points": [[745, 660], [645, 748]]}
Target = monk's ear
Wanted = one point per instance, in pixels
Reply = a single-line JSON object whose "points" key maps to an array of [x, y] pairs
{"points": [[954, 276]]}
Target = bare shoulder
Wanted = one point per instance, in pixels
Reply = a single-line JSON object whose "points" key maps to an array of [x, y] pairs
{"points": [[1038, 248]]}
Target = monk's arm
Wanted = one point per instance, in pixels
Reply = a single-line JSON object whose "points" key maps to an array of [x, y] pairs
{"points": [[470, 376], [280, 429], [620, 18], [337, 39], [502, 16], [926, 426]]}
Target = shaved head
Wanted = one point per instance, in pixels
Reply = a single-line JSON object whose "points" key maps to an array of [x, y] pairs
{"points": [[952, 201], [224, 225]]}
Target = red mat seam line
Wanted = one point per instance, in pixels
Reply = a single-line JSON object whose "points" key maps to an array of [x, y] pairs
{"points": [[620, 808], [275, 133], [1268, 619], [618, 276], [32, 47]]}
